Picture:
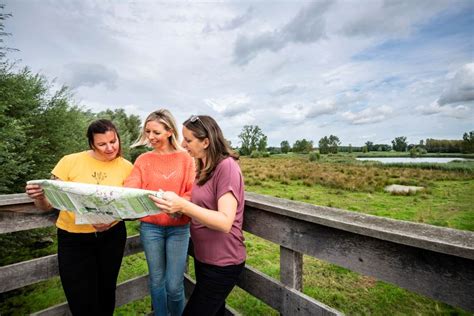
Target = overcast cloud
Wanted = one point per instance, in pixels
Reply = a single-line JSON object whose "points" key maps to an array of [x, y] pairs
{"points": [[362, 70]]}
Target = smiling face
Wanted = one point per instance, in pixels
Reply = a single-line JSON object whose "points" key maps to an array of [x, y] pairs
{"points": [[106, 146], [158, 136], [195, 147]]}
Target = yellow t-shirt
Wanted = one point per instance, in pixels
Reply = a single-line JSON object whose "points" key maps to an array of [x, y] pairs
{"points": [[83, 168]]}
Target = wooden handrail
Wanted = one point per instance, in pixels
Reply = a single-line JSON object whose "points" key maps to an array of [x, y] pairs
{"points": [[434, 261]]}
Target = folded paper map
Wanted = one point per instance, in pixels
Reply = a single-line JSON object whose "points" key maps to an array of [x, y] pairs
{"points": [[98, 204]]}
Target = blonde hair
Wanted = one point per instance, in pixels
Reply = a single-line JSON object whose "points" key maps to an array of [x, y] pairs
{"points": [[164, 117]]}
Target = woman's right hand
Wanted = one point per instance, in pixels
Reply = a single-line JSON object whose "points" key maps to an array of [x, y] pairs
{"points": [[35, 192]]}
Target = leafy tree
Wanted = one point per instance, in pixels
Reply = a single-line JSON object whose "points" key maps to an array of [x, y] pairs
{"points": [[369, 145], [468, 142], [285, 146], [36, 128], [443, 145], [262, 144], [303, 146], [400, 143], [329, 144], [3, 16], [250, 137]]}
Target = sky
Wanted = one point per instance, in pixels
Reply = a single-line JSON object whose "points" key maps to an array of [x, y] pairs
{"points": [[363, 70]]}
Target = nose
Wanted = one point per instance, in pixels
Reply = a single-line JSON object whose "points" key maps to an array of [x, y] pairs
{"points": [[109, 147]]}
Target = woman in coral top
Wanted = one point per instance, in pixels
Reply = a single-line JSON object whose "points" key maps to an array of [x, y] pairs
{"points": [[164, 237]]}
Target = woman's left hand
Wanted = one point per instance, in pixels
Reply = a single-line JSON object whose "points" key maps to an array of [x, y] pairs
{"points": [[102, 227], [169, 203]]}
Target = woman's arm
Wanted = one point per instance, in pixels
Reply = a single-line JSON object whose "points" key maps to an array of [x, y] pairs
{"points": [[36, 193], [220, 219]]}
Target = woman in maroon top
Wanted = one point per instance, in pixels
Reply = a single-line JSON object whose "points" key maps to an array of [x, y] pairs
{"points": [[216, 209]]}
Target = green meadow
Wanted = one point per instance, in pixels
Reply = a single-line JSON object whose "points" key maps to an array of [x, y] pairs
{"points": [[332, 180]]}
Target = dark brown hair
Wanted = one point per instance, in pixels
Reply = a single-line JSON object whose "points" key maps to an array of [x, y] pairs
{"points": [[202, 127], [101, 127]]}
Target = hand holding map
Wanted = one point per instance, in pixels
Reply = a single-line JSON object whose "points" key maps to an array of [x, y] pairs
{"points": [[98, 204]]}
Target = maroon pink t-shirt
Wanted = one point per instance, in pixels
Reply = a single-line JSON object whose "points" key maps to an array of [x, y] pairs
{"points": [[211, 246]]}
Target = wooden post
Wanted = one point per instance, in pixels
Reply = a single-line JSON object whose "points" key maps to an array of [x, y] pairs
{"points": [[291, 268]]}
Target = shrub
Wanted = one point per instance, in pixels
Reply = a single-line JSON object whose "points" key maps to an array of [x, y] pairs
{"points": [[314, 156]]}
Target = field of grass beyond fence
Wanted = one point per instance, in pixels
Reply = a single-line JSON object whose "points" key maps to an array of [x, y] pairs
{"points": [[334, 180]]}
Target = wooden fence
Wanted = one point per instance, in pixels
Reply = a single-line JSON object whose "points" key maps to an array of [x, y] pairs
{"points": [[433, 261]]}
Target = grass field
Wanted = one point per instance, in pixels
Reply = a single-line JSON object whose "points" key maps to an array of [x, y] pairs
{"points": [[336, 181]]}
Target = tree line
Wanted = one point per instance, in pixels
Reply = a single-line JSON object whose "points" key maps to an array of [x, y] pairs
{"points": [[253, 141]]}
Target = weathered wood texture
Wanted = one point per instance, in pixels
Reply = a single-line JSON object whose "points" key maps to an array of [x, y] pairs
{"points": [[404, 254], [282, 298], [24, 273], [291, 268]]}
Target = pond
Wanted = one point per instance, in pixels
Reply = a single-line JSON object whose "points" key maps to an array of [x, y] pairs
{"points": [[412, 160]]}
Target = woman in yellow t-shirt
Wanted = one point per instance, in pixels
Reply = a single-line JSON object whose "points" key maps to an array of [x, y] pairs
{"points": [[89, 256]]}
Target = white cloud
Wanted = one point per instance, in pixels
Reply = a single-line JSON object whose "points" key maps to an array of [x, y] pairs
{"points": [[230, 105], [307, 26], [455, 111], [313, 69], [89, 75], [460, 88], [369, 115]]}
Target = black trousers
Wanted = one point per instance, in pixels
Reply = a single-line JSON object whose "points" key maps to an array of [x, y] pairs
{"points": [[88, 266], [213, 285]]}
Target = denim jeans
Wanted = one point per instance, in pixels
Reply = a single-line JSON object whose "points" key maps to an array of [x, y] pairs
{"points": [[166, 249]]}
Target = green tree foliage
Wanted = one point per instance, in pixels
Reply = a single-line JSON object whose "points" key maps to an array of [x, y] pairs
{"points": [[329, 144], [251, 137], [303, 146], [443, 145], [369, 146], [4, 49], [36, 129], [400, 143], [262, 144], [285, 147], [468, 143]]}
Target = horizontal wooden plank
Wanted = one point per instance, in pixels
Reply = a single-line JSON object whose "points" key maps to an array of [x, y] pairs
{"points": [[440, 276], [282, 298], [127, 292], [12, 199], [439, 239], [24, 273], [18, 221]]}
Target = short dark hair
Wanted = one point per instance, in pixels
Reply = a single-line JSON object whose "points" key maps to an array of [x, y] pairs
{"points": [[202, 127], [101, 127]]}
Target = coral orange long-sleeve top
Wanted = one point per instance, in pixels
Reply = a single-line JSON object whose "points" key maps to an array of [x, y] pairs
{"points": [[168, 172]]}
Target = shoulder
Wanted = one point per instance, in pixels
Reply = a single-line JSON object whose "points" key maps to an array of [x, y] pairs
{"points": [[125, 162], [71, 158], [228, 165]]}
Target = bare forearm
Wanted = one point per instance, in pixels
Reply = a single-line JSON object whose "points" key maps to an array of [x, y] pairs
{"points": [[43, 204], [212, 219]]}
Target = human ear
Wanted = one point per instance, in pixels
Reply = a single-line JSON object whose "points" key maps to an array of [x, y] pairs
{"points": [[205, 143]]}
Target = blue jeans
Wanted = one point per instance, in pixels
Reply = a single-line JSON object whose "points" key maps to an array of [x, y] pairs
{"points": [[166, 249]]}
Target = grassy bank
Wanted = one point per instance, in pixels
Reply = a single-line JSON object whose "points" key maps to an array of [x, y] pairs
{"points": [[336, 181]]}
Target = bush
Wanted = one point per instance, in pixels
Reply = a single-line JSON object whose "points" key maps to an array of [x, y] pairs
{"points": [[314, 156], [259, 154]]}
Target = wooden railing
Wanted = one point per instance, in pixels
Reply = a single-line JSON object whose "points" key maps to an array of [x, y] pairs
{"points": [[433, 261]]}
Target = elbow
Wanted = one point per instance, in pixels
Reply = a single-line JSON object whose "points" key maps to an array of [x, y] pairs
{"points": [[227, 228]]}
